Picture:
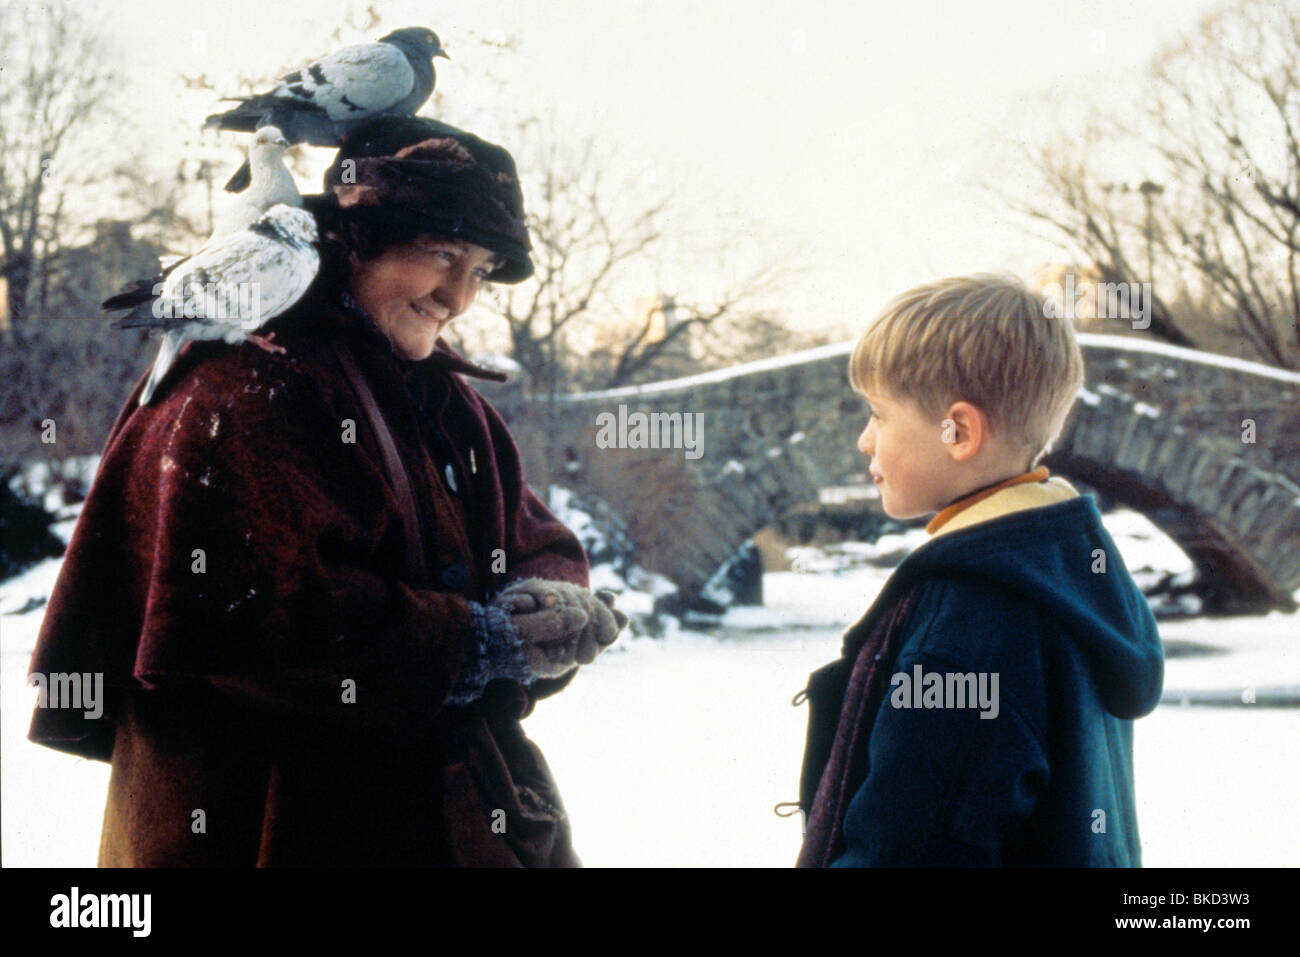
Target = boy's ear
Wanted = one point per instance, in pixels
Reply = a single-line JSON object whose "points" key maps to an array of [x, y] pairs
{"points": [[965, 431]]}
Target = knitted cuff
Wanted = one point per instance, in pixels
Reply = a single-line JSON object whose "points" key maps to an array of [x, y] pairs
{"points": [[497, 653]]}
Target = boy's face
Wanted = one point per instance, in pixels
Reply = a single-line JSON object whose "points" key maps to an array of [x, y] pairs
{"points": [[909, 460]]}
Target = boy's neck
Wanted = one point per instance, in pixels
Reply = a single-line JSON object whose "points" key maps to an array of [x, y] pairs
{"points": [[1003, 475], [970, 497]]}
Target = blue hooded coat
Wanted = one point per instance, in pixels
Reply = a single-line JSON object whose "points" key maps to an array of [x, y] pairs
{"points": [[1039, 600]]}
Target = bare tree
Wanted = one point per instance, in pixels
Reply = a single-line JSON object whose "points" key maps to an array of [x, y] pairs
{"points": [[80, 213], [1214, 126], [728, 329], [56, 79], [580, 246], [1223, 111], [1107, 224], [601, 240]]}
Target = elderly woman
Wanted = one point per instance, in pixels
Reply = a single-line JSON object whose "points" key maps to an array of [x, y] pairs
{"points": [[320, 594]]}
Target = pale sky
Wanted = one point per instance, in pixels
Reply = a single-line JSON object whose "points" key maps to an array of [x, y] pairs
{"points": [[851, 131]]}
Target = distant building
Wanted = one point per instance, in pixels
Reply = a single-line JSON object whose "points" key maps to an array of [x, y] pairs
{"points": [[661, 311]]}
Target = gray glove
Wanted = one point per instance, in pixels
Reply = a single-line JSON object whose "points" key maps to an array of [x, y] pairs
{"points": [[560, 625]]}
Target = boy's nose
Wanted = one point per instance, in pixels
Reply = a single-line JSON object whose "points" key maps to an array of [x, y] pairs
{"points": [[864, 441]]}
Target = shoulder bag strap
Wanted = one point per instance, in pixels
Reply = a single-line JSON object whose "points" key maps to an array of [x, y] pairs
{"points": [[396, 469]]}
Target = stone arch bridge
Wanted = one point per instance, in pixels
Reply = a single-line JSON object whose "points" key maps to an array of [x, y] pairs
{"points": [[1206, 446]]}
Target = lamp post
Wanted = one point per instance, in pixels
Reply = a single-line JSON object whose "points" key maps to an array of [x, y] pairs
{"points": [[1150, 191]]}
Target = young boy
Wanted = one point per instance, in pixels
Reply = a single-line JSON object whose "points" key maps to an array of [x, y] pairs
{"points": [[982, 711]]}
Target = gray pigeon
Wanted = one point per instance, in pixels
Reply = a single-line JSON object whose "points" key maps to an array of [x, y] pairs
{"points": [[227, 290], [271, 183], [321, 103]]}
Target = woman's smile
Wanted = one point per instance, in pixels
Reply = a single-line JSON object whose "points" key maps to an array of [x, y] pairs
{"points": [[427, 314]]}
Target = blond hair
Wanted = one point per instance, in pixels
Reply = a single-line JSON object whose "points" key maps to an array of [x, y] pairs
{"points": [[984, 339]]}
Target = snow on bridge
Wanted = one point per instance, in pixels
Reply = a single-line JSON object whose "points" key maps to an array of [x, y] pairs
{"points": [[1204, 445]]}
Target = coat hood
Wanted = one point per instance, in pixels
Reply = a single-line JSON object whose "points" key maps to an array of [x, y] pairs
{"points": [[1060, 558]]}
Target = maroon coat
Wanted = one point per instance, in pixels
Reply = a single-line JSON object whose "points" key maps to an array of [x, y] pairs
{"points": [[241, 577]]}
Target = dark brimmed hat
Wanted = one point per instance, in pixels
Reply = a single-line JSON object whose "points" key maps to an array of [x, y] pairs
{"points": [[447, 182]]}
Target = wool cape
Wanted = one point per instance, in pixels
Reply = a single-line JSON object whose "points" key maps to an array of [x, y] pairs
{"points": [[1015, 586], [275, 670]]}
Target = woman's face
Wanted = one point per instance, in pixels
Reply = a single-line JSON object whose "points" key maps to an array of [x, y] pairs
{"points": [[414, 289]]}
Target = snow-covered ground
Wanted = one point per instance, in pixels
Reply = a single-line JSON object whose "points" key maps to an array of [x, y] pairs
{"points": [[694, 739], [674, 751]]}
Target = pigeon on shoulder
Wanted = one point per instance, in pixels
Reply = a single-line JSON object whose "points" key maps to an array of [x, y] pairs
{"points": [[320, 103], [227, 290]]}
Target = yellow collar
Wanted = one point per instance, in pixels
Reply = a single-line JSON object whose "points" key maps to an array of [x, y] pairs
{"points": [[1031, 490]]}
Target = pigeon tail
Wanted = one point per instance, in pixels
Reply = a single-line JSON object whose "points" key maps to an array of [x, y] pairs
{"points": [[240, 181], [167, 352], [247, 116], [133, 294], [143, 318], [299, 122]]}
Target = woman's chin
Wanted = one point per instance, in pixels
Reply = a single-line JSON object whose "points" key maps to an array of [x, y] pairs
{"points": [[416, 347]]}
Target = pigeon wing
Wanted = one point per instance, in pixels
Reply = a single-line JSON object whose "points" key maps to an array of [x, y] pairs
{"points": [[352, 83], [284, 273], [236, 270]]}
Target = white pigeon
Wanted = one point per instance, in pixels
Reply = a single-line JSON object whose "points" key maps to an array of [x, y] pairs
{"points": [[227, 290], [271, 183]]}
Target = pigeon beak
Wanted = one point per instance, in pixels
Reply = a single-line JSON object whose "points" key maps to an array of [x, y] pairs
{"points": [[443, 53]]}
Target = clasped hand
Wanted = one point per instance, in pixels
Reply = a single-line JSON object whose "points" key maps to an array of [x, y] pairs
{"points": [[560, 625]]}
